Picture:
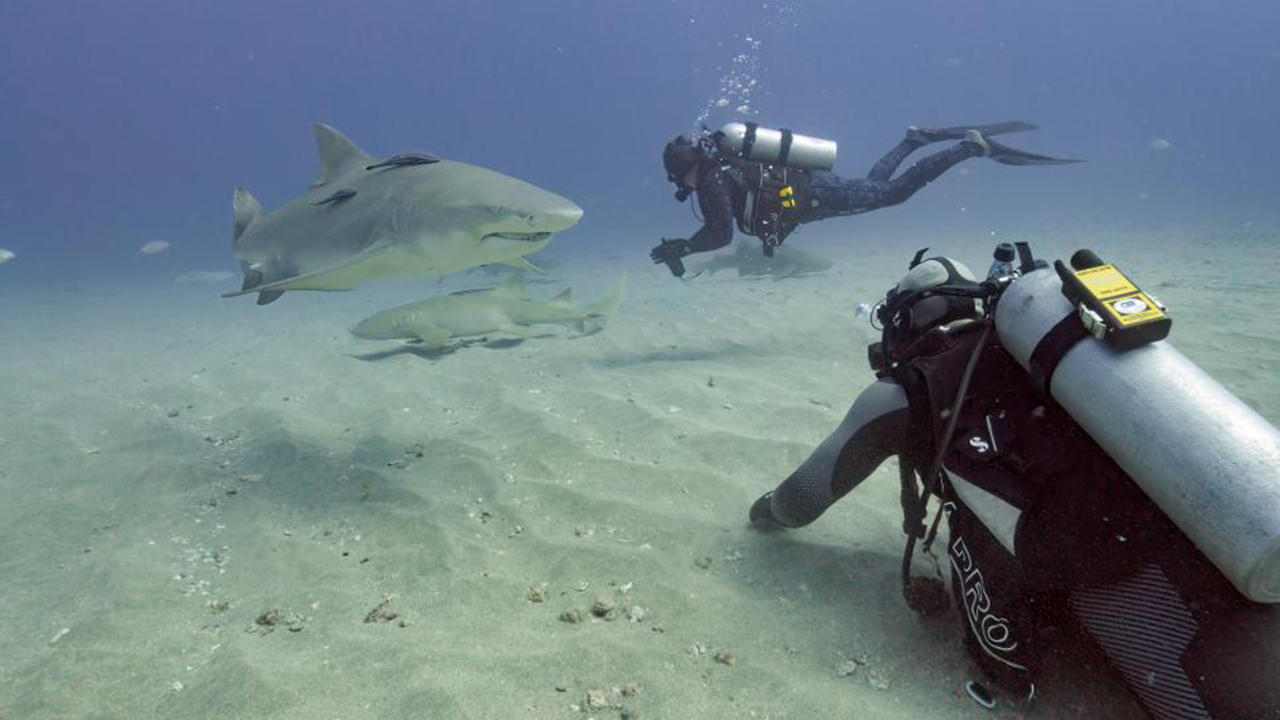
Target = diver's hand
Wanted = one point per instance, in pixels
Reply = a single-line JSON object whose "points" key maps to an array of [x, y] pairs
{"points": [[670, 252]]}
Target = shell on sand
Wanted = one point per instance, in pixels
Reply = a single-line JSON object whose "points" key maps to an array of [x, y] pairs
{"points": [[153, 247], [6, 255]]}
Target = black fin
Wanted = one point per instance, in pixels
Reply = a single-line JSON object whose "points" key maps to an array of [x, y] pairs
{"points": [[404, 159], [266, 297]]}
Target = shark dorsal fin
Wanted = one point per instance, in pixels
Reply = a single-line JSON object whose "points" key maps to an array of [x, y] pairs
{"points": [[513, 287], [245, 210], [564, 298], [337, 154]]}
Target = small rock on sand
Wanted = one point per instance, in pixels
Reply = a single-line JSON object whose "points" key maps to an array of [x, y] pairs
{"points": [[381, 613], [573, 616], [538, 593], [727, 657], [603, 608]]}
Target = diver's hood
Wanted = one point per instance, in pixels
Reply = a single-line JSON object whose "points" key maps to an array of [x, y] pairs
{"points": [[679, 157]]}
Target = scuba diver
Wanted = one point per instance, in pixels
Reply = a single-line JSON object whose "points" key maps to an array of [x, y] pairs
{"points": [[1095, 481], [771, 181]]}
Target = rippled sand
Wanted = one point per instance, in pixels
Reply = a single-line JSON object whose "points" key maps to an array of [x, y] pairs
{"points": [[176, 465]]}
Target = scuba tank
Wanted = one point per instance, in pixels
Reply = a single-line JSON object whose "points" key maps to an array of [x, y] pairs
{"points": [[749, 141], [1205, 458]]}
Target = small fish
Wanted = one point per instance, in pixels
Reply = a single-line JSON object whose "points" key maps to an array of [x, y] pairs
{"points": [[337, 197], [1159, 144], [154, 247], [405, 159], [6, 255]]}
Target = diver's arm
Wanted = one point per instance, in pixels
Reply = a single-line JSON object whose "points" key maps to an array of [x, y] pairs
{"points": [[716, 201], [874, 429]]}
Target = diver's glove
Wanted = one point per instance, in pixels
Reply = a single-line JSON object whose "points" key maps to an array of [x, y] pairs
{"points": [[670, 252]]}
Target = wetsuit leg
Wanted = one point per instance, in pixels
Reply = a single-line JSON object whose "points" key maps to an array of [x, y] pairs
{"points": [[832, 196], [873, 430], [927, 169], [888, 165]]}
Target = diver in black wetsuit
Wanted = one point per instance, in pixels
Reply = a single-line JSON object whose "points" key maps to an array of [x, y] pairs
{"points": [[736, 190], [1044, 529]]}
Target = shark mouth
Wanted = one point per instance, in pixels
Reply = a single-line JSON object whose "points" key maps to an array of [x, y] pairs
{"points": [[519, 237]]}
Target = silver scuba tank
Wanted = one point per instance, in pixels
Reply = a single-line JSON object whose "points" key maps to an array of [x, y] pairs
{"points": [[776, 147], [1205, 458]]}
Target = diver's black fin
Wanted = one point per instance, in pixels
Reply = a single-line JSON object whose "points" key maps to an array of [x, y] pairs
{"points": [[958, 132], [266, 297], [1013, 156]]}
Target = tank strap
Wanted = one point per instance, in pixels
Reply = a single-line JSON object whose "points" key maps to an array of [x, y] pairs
{"points": [[748, 140], [784, 152], [1050, 350]]}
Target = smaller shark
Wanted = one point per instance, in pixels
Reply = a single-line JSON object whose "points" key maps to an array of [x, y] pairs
{"points": [[748, 259], [505, 309]]}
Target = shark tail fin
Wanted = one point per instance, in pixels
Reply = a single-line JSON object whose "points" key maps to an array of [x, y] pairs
{"points": [[245, 211], [602, 310]]}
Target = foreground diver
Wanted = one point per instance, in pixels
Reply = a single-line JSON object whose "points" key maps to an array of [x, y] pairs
{"points": [[1019, 415], [769, 182]]}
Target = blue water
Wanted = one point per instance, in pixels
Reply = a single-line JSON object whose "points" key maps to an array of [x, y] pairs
{"points": [[129, 122]]}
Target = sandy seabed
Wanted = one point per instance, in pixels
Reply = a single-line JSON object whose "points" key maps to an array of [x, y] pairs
{"points": [[215, 510]]}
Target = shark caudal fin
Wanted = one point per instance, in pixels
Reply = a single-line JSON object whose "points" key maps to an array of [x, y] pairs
{"points": [[602, 310]]}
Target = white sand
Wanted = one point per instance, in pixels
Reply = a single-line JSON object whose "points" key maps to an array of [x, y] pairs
{"points": [[591, 464]]}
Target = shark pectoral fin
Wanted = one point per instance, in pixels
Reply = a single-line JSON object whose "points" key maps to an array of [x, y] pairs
{"points": [[522, 264], [430, 335], [344, 275], [517, 330]]}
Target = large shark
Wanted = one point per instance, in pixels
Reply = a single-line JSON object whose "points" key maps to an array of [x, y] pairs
{"points": [[410, 215], [505, 309]]}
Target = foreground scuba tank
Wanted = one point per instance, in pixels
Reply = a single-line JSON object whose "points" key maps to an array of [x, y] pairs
{"points": [[749, 141], [1205, 458]]}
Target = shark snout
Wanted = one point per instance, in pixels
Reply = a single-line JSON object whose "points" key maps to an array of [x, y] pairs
{"points": [[554, 217]]}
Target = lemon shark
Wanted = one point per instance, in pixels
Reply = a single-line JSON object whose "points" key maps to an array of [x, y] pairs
{"points": [[505, 309], [411, 215]]}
